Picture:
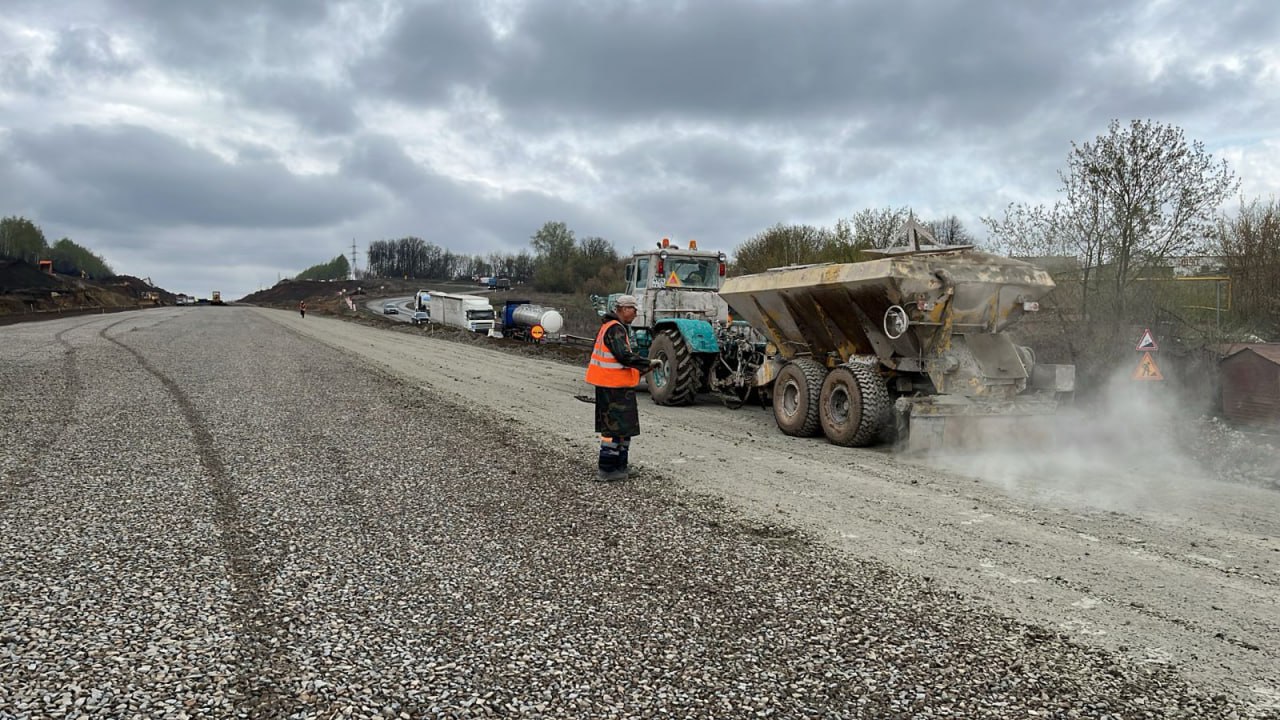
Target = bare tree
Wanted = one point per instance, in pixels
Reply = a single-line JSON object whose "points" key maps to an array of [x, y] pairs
{"points": [[877, 227], [1250, 246], [950, 231], [1146, 193], [1133, 199]]}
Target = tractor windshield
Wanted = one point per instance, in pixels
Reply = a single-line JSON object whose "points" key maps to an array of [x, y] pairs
{"points": [[693, 272]]}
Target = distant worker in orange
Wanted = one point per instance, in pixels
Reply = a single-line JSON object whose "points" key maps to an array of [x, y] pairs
{"points": [[302, 308], [615, 371]]}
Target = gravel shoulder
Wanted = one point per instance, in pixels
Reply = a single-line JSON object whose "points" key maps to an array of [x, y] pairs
{"points": [[234, 512]]}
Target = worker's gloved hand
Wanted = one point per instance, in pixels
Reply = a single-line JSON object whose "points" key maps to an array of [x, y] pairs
{"points": [[655, 364]]}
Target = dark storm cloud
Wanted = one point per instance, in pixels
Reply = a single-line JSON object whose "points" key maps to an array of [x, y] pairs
{"points": [[319, 107], [701, 162], [208, 38], [90, 52], [460, 216], [433, 49], [470, 124], [79, 55], [382, 160], [780, 62], [129, 177]]}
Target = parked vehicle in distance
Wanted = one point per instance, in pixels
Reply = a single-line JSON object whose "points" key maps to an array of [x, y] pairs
{"points": [[420, 317], [469, 312], [390, 309]]}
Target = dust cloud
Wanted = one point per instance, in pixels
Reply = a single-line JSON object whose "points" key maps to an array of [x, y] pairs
{"points": [[1139, 448]]}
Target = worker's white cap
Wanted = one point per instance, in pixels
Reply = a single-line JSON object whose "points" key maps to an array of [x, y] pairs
{"points": [[626, 301]]}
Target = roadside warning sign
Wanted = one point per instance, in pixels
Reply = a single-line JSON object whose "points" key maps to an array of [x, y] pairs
{"points": [[1147, 369], [1147, 342]]}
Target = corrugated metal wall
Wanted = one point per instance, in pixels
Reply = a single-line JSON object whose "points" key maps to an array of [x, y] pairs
{"points": [[1251, 389]]}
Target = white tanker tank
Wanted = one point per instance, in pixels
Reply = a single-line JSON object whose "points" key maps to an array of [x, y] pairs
{"points": [[524, 320]]}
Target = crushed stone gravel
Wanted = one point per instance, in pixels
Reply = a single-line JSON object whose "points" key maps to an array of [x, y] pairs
{"points": [[205, 516]]}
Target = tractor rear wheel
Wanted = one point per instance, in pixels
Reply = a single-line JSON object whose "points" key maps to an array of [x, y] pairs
{"points": [[796, 392], [677, 382], [854, 406]]}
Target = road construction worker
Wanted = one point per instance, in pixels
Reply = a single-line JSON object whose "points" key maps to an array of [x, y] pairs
{"points": [[615, 371], [302, 308]]}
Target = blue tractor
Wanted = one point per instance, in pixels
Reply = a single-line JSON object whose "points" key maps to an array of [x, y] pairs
{"points": [[683, 321]]}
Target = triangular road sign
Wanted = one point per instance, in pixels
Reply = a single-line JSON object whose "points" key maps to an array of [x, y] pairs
{"points": [[673, 280], [1147, 369], [1147, 342]]}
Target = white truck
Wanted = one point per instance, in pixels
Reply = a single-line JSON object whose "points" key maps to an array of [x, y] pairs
{"points": [[469, 312]]}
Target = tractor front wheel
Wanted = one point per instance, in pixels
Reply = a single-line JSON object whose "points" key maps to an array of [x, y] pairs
{"points": [[677, 382]]}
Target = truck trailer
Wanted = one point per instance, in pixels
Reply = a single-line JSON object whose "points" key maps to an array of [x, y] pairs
{"points": [[468, 312]]}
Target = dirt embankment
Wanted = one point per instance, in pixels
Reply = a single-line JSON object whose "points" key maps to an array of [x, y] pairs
{"points": [[26, 293]]}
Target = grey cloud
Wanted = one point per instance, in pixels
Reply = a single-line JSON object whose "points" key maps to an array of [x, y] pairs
{"points": [[132, 177], [720, 117], [703, 162], [435, 48], [204, 37], [774, 61], [90, 52], [322, 108], [380, 159]]}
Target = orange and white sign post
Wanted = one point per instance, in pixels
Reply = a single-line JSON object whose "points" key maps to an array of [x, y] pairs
{"points": [[1147, 369]]}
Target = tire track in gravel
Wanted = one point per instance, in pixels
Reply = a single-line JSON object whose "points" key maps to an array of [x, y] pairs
{"points": [[22, 476], [258, 682]]}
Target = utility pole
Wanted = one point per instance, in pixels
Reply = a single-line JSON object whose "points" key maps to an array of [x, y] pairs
{"points": [[353, 258]]}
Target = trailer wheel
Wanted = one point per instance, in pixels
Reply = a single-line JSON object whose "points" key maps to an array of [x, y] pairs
{"points": [[796, 394], [854, 406], [677, 382]]}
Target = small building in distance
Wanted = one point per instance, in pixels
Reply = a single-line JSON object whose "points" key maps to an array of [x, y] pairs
{"points": [[1250, 378]]}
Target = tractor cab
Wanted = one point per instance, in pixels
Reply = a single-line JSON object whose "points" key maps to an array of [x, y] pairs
{"points": [[673, 283]]}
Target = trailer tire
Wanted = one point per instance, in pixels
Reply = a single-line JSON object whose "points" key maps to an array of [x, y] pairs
{"points": [[796, 394], [677, 382], [855, 406]]}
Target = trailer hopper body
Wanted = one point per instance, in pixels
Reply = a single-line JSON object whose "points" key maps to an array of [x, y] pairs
{"points": [[919, 338]]}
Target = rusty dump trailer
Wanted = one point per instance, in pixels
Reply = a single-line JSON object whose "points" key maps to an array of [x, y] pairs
{"points": [[908, 347]]}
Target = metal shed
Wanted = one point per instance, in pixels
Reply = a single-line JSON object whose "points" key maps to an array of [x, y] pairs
{"points": [[1251, 384]]}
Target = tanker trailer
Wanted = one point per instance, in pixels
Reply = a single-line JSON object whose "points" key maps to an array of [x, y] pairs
{"points": [[523, 320], [909, 346]]}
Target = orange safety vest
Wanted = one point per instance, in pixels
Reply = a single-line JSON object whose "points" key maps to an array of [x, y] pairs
{"points": [[604, 370]]}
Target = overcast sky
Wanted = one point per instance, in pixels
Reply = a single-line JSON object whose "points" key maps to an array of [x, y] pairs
{"points": [[221, 144]]}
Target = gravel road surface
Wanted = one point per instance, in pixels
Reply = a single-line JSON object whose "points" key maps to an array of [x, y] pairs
{"points": [[235, 512]]}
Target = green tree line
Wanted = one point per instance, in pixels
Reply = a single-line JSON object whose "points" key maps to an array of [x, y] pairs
{"points": [[23, 240], [559, 262], [336, 269]]}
